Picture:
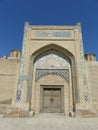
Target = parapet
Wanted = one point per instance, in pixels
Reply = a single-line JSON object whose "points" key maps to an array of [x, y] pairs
{"points": [[15, 54], [90, 57]]}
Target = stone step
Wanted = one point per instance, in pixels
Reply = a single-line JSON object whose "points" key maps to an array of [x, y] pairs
{"points": [[50, 115]]}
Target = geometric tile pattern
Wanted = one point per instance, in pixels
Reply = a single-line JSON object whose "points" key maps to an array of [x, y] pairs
{"points": [[21, 71], [83, 68], [42, 72]]}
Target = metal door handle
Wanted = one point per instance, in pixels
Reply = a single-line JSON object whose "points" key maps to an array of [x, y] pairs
{"points": [[51, 99]]}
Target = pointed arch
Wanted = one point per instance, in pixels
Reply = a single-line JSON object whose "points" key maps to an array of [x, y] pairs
{"points": [[51, 47], [69, 57]]}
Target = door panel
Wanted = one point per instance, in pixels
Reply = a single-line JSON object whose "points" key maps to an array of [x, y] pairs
{"points": [[52, 100], [46, 101]]}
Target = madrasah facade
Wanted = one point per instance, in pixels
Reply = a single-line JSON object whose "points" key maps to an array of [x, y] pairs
{"points": [[50, 74]]}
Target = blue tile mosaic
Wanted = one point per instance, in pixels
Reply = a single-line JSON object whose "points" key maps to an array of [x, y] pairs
{"points": [[51, 60], [83, 67], [42, 72], [21, 71]]}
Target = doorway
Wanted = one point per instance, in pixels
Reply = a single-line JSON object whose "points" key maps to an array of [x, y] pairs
{"points": [[51, 99]]}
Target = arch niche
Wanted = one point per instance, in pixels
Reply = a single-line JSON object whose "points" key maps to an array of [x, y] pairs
{"points": [[72, 84]]}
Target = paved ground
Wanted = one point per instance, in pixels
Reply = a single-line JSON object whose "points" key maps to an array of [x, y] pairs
{"points": [[49, 123]]}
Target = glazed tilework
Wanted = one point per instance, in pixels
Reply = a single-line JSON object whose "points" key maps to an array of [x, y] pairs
{"points": [[21, 71], [52, 34], [42, 72], [51, 60], [83, 67]]}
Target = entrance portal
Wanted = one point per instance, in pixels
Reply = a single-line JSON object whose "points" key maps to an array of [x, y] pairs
{"points": [[51, 100], [53, 96]]}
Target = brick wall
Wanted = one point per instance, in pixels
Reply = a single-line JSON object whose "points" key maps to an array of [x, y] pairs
{"points": [[8, 69], [93, 76]]}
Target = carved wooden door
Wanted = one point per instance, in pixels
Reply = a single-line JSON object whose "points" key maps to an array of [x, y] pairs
{"points": [[52, 100]]}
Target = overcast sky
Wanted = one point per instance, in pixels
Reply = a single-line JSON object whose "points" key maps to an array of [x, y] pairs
{"points": [[13, 14]]}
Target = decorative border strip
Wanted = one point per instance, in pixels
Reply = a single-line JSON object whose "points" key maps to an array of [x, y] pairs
{"points": [[52, 34], [21, 71], [42, 72], [83, 67]]}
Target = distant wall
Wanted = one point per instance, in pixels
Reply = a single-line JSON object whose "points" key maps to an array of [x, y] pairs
{"points": [[8, 69], [93, 77]]}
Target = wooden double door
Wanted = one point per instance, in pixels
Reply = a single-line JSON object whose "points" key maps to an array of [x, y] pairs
{"points": [[51, 100]]}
